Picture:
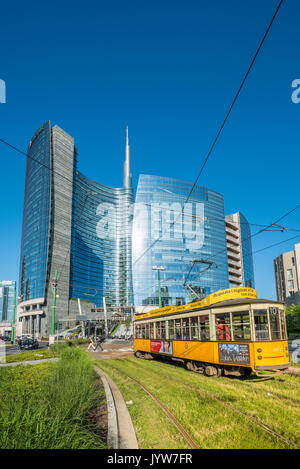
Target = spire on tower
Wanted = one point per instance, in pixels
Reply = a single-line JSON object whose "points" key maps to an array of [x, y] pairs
{"points": [[127, 179]]}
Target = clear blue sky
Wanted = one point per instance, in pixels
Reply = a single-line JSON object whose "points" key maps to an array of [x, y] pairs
{"points": [[168, 70]]}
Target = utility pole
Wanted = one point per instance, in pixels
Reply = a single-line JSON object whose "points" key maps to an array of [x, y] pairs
{"points": [[54, 286], [159, 269]]}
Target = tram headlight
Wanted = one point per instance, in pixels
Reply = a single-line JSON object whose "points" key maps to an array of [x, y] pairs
{"points": [[259, 357], [259, 350]]}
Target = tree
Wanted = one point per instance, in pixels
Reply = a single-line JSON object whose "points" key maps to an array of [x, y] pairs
{"points": [[292, 318]]}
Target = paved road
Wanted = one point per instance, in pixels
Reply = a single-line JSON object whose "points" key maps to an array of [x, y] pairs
{"points": [[11, 349]]}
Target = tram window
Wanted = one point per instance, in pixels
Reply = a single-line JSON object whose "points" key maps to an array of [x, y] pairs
{"points": [[194, 328], [204, 327], [171, 329], [261, 324], [274, 323], [185, 329], [283, 325], [241, 326], [151, 330], [138, 331], [223, 326], [147, 331], [178, 329], [158, 334], [163, 329]]}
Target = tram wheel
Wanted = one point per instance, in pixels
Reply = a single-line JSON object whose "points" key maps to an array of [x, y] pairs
{"points": [[191, 366], [211, 370]]}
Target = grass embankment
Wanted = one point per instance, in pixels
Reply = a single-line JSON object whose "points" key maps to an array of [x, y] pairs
{"points": [[192, 399], [31, 355], [51, 405]]}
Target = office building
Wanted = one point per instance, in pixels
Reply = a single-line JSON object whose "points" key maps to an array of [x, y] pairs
{"points": [[239, 251], [286, 269], [7, 302], [75, 227], [187, 240]]}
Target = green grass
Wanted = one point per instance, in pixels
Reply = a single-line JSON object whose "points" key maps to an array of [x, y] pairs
{"points": [[49, 405], [30, 355], [194, 400]]}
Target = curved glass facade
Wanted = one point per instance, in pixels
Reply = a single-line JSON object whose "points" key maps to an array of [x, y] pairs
{"points": [[174, 236], [101, 243], [36, 217]]}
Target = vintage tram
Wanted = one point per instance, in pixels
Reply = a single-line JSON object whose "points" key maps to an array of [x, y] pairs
{"points": [[228, 332]]}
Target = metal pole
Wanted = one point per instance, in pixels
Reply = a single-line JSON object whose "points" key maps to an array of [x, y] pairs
{"points": [[158, 276], [54, 303], [159, 292], [12, 337], [105, 316]]}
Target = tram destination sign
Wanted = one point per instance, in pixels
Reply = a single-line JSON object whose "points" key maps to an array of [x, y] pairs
{"points": [[234, 353]]}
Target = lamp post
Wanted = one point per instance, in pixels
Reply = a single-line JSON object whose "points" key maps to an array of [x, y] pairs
{"points": [[12, 337], [54, 285], [155, 267]]}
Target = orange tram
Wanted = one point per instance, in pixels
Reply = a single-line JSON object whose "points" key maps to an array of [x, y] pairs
{"points": [[228, 332]]}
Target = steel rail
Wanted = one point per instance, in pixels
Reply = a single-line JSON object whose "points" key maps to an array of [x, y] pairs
{"points": [[168, 413], [244, 414]]}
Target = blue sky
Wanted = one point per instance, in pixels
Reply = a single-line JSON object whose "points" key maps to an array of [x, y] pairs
{"points": [[169, 70]]}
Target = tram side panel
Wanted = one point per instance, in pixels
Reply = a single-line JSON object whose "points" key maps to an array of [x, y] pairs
{"points": [[194, 350]]}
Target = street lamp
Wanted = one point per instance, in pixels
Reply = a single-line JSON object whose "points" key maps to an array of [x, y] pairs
{"points": [[155, 267]]}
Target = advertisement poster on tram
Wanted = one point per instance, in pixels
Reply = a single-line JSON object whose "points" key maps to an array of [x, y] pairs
{"points": [[234, 353], [162, 346]]}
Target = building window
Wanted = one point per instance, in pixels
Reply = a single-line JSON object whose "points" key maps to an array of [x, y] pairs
{"points": [[293, 261], [291, 284], [289, 273]]}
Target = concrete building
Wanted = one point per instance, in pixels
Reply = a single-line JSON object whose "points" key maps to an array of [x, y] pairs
{"points": [[239, 251], [286, 269]]}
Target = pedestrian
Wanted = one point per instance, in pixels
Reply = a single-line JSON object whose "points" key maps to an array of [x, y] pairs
{"points": [[19, 342], [91, 344], [99, 340]]}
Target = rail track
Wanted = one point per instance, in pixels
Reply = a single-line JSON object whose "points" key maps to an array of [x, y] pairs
{"points": [[167, 412], [187, 437]]}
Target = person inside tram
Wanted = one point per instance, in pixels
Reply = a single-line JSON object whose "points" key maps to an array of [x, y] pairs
{"points": [[222, 330]]}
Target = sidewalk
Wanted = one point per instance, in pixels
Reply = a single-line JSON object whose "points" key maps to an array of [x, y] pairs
{"points": [[30, 362]]}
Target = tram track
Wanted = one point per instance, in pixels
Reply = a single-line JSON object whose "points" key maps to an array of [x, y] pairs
{"points": [[166, 411], [206, 394]]}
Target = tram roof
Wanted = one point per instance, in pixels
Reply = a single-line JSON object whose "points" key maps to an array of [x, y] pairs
{"points": [[241, 301], [220, 304]]}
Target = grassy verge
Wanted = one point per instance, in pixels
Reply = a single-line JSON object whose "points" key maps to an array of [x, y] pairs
{"points": [[30, 355], [51, 405], [193, 399]]}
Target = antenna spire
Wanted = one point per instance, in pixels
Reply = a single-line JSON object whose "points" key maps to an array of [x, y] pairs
{"points": [[127, 179]]}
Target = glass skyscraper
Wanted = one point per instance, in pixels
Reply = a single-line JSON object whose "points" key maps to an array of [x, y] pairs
{"points": [[7, 296], [74, 226], [101, 244], [187, 239]]}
